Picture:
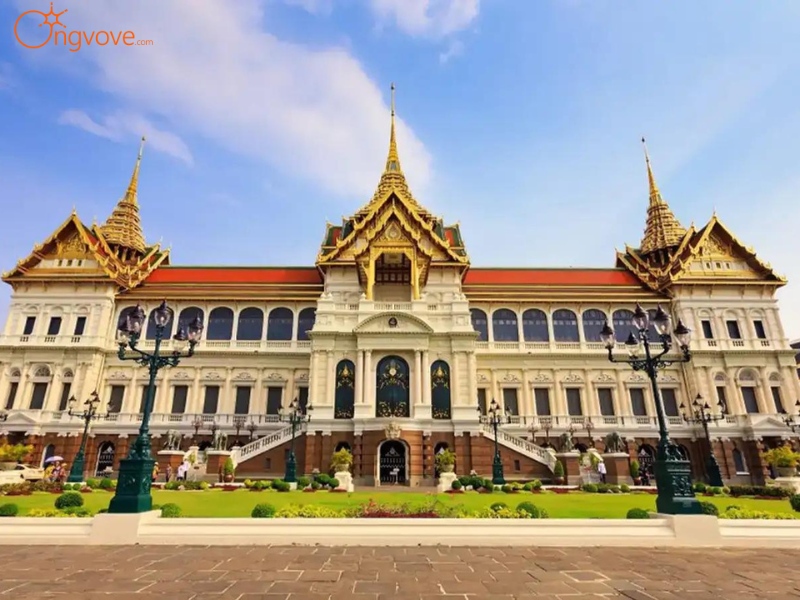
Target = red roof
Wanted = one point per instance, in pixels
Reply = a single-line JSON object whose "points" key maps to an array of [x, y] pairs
{"points": [[501, 276], [236, 275]]}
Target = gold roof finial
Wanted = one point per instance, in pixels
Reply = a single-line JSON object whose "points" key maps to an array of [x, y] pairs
{"points": [[124, 228], [393, 159], [662, 231]]}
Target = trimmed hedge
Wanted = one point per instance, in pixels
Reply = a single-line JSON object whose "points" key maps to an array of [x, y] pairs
{"points": [[9, 510], [263, 511], [637, 513], [69, 500]]}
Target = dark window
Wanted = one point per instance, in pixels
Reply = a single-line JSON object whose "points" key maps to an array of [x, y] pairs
{"points": [[54, 326], [593, 321], [565, 326], [267, 464], [220, 324], [211, 400], [117, 395], [517, 466], [638, 406], [280, 324], [302, 399], [64, 400], [534, 326], [30, 322], [274, 400], [708, 332], [733, 330], [188, 315], [750, 400], [151, 326], [605, 398], [574, 407], [623, 325], [143, 399], [12, 394], [80, 326], [510, 401], [738, 461], [305, 322], [251, 325], [670, 401], [179, 395], [482, 400], [504, 326], [38, 396], [722, 397], [776, 397], [761, 333], [542, 400], [480, 324], [242, 406]]}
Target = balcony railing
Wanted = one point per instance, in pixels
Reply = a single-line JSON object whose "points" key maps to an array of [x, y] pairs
{"points": [[502, 347]]}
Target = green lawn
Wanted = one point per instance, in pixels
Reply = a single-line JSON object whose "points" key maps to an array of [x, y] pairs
{"points": [[216, 503]]}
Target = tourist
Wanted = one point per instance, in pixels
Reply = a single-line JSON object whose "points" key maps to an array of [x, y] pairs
{"points": [[182, 471], [168, 474], [601, 469], [155, 472]]}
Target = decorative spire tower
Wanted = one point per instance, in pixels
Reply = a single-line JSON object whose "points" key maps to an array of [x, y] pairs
{"points": [[663, 232], [123, 229]]}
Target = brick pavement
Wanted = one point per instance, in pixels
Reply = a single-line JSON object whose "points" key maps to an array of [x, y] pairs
{"points": [[354, 573]]}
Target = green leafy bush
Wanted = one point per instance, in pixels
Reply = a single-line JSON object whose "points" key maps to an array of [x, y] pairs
{"points": [[172, 485], [303, 483], [498, 506], [504, 513], [315, 485], [537, 485], [741, 513], [625, 488], [93, 483], [590, 488], [281, 486], [456, 485], [716, 490], [106, 484], [637, 513], [171, 511], [534, 511], [759, 490], [69, 499], [709, 508], [263, 511], [506, 489], [9, 510], [794, 500], [527, 487], [334, 483], [558, 470], [323, 479], [699, 487], [309, 511], [77, 511]]}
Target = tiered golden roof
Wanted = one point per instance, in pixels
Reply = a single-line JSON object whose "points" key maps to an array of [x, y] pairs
{"points": [[124, 227], [663, 231]]}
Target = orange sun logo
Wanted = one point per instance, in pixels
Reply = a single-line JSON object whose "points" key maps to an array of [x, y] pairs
{"points": [[45, 21]]}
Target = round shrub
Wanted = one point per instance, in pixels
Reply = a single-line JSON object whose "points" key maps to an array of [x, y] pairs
{"points": [[717, 491], [456, 485], [334, 483], [590, 488], [527, 487], [709, 509], [537, 485], [498, 506], [263, 511], [506, 489], [531, 509], [637, 513], [699, 487], [624, 488], [9, 510], [281, 486], [93, 483], [303, 483], [77, 511], [171, 511], [794, 500], [315, 485], [106, 483], [69, 499]]}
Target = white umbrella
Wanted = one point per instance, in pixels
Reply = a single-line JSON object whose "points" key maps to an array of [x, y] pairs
{"points": [[54, 459]]}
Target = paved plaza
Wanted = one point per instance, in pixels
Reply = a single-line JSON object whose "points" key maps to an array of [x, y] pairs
{"points": [[300, 573]]}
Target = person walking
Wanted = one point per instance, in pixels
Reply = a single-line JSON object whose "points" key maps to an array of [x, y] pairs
{"points": [[601, 469], [167, 473]]}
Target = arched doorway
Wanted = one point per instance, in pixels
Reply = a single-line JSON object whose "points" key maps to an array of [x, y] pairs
{"points": [[50, 450], [392, 463], [105, 458], [646, 458], [342, 446], [392, 388]]}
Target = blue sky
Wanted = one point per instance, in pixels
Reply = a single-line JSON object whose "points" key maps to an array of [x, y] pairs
{"points": [[520, 119]]}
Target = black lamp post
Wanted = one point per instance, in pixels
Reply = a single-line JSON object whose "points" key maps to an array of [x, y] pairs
{"points": [[494, 417], [136, 471], [790, 420], [673, 472], [252, 428], [88, 415], [238, 423], [197, 424], [295, 415], [700, 414]]}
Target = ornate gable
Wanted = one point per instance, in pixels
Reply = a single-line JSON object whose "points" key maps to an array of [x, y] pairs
{"points": [[393, 323]]}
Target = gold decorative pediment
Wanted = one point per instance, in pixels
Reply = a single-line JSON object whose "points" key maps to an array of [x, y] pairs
{"points": [[71, 247], [714, 248]]}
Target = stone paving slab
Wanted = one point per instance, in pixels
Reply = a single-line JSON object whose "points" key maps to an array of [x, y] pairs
{"points": [[361, 573]]}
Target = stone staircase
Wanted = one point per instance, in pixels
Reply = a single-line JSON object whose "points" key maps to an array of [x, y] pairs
{"points": [[523, 446], [264, 444]]}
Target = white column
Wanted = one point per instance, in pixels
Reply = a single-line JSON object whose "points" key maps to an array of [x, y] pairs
{"points": [[330, 376], [359, 377], [527, 401], [418, 378], [195, 403], [495, 390], [369, 397], [426, 379], [472, 394]]}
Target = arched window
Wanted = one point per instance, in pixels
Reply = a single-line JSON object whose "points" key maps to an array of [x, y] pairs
{"points": [[151, 325], [305, 322], [105, 459], [188, 315], [123, 316], [623, 324], [344, 398], [534, 326], [684, 452], [50, 450], [480, 324], [279, 324], [504, 326], [593, 321], [565, 326], [392, 388], [748, 384], [738, 461], [342, 446], [440, 390], [251, 324], [220, 324]]}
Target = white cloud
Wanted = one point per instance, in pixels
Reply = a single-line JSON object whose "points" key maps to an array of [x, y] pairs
{"points": [[456, 48], [212, 69], [121, 126], [429, 18], [315, 7]]}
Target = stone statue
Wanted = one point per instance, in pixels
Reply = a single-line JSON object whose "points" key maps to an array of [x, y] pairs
{"points": [[173, 441], [565, 442], [614, 443], [220, 441]]}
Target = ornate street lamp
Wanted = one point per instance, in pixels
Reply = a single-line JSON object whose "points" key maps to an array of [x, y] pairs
{"points": [[790, 420], [547, 425], [88, 415], [532, 429], [700, 414], [136, 471], [238, 423], [589, 427], [295, 415], [494, 417], [252, 428], [673, 472], [197, 424]]}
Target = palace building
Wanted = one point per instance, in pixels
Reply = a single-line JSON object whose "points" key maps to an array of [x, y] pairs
{"points": [[399, 344]]}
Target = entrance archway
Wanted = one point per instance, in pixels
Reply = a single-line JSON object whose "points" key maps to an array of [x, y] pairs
{"points": [[392, 463], [105, 458], [49, 451]]}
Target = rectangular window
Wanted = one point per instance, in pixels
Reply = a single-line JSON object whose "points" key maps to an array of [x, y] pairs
{"points": [[750, 400], [761, 333], [776, 397], [517, 466], [510, 402], [274, 400], [733, 330], [242, 406], [115, 401], [708, 333], [722, 397], [670, 401], [144, 398], [30, 323], [574, 407], [638, 406], [302, 399], [179, 395], [482, 401], [605, 398], [12, 395], [54, 326], [211, 400], [80, 326], [542, 399], [38, 396], [64, 401]]}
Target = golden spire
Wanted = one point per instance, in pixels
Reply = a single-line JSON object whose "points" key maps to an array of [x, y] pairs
{"points": [[662, 231], [123, 228], [393, 159]]}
